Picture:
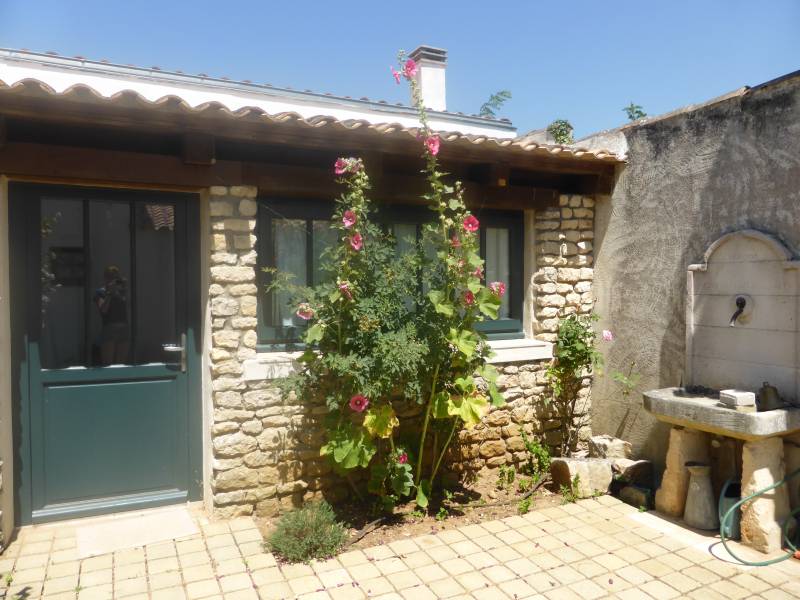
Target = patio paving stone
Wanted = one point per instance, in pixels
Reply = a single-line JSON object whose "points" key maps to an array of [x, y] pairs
{"points": [[597, 548]]}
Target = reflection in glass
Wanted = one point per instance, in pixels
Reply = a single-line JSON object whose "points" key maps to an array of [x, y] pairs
{"points": [[323, 236], [110, 251], [155, 282], [497, 262], [62, 274], [289, 248]]}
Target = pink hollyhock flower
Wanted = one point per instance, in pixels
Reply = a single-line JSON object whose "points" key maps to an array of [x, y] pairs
{"points": [[359, 403], [498, 288], [471, 224], [469, 298], [340, 166], [432, 144], [455, 242], [607, 336], [409, 69], [349, 219], [344, 288], [396, 75], [305, 312], [478, 272], [356, 242], [402, 458]]}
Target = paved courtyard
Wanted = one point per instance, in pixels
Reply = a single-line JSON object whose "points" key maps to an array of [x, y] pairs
{"points": [[596, 548]]}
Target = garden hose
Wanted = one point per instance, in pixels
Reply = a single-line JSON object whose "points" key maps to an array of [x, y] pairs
{"points": [[724, 521]]}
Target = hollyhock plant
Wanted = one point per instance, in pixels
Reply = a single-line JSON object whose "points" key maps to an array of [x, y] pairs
{"points": [[608, 336], [344, 288], [356, 241], [347, 166], [478, 272], [471, 224], [402, 458], [340, 166], [498, 288], [349, 219], [455, 242], [469, 298], [359, 403], [410, 69], [432, 144], [396, 75], [305, 312]]}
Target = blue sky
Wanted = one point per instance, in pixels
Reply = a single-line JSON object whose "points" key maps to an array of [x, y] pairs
{"points": [[579, 60]]}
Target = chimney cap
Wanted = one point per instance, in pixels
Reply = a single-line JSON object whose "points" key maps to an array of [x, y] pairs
{"points": [[429, 53]]}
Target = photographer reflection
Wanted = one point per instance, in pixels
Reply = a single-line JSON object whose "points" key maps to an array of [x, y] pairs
{"points": [[112, 302]]}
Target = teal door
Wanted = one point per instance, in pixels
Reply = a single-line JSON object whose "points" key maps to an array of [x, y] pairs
{"points": [[105, 315]]}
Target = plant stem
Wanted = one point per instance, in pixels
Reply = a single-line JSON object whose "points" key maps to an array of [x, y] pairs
{"points": [[355, 489], [444, 450], [425, 425]]}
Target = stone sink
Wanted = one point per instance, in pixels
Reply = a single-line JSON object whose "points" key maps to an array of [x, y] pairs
{"points": [[705, 413]]}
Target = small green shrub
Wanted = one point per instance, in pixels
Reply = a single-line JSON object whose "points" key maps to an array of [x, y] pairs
{"points": [[561, 130], [538, 458], [524, 506], [308, 533], [569, 493], [505, 477]]}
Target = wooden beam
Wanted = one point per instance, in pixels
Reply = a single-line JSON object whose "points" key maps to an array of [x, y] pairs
{"points": [[198, 149], [167, 119]]}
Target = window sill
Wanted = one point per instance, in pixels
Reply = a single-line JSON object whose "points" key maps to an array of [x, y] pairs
{"points": [[270, 365], [521, 350], [274, 365]]}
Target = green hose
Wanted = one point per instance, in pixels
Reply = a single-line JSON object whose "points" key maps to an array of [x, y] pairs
{"points": [[785, 529]]}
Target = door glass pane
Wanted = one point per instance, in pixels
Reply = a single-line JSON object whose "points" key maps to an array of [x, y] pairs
{"points": [[289, 248], [497, 266], [62, 277], [324, 236], [154, 283], [110, 281]]}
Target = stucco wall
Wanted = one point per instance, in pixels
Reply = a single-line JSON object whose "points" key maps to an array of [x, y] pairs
{"points": [[691, 177]]}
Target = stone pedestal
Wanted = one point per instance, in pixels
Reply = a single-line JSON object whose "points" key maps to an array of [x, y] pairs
{"points": [[685, 445], [763, 465]]}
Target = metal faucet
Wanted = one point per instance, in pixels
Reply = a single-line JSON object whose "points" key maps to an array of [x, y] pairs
{"points": [[741, 301]]}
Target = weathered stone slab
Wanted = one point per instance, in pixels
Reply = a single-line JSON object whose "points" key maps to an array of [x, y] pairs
{"points": [[607, 446], [685, 445], [594, 474], [708, 414]]}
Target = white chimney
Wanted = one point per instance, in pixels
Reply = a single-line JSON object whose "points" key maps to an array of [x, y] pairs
{"points": [[431, 65]]}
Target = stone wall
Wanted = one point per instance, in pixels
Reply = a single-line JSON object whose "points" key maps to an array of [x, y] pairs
{"points": [[691, 176], [265, 445]]}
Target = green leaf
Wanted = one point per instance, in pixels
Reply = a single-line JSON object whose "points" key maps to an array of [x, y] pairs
{"points": [[465, 384], [402, 481], [334, 295], [464, 340], [495, 395], [423, 491], [440, 403], [470, 409], [439, 304], [487, 372], [454, 204], [380, 421], [315, 333], [488, 303], [349, 447]]}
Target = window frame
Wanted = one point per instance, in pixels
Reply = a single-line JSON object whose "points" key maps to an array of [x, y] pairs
{"points": [[311, 210]]}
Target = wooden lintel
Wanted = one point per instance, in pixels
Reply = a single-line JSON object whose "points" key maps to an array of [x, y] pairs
{"points": [[66, 163], [198, 149]]}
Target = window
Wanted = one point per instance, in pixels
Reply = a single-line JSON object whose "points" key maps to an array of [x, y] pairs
{"points": [[291, 238], [293, 234]]}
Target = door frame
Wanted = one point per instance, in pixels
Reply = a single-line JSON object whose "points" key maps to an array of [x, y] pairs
{"points": [[18, 194]]}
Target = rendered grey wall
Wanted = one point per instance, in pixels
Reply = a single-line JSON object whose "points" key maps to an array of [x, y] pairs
{"points": [[690, 178]]}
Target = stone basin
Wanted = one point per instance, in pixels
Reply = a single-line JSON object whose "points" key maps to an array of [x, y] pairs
{"points": [[705, 413]]}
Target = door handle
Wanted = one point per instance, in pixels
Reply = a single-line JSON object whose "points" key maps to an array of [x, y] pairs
{"points": [[178, 348]]}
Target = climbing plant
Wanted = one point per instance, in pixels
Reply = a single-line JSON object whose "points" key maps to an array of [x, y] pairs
{"points": [[386, 328]]}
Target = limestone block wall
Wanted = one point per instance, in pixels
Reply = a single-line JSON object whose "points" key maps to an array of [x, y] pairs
{"points": [[265, 444]]}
